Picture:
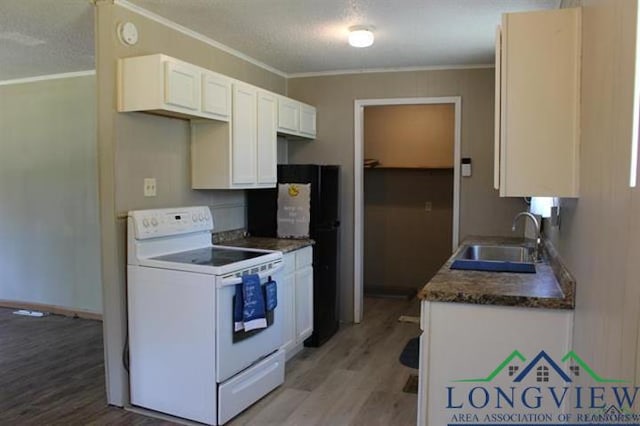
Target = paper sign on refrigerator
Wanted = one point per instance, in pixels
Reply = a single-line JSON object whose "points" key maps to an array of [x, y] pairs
{"points": [[294, 206]]}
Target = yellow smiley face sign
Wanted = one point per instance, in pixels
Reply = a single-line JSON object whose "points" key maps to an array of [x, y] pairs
{"points": [[293, 191]]}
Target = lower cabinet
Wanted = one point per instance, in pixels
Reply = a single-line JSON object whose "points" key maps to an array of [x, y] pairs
{"points": [[296, 297], [304, 303], [469, 352]]}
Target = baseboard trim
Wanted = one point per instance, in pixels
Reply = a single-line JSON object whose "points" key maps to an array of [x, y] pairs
{"points": [[160, 416], [58, 310]]}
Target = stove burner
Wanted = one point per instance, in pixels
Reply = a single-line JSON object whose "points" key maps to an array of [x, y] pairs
{"points": [[210, 256]]}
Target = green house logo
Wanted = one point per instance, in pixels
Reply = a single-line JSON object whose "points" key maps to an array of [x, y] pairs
{"points": [[542, 365]]}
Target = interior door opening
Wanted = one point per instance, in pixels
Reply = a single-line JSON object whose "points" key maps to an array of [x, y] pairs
{"points": [[406, 194]]}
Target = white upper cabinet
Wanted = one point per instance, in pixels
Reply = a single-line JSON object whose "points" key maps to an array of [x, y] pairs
{"points": [[244, 135], [296, 119], [308, 120], [216, 95], [538, 104], [234, 125], [267, 143], [163, 85], [242, 154], [288, 115], [182, 85]]}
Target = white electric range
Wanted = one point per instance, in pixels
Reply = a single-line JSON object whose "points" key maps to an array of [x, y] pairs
{"points": [[185, 358]]}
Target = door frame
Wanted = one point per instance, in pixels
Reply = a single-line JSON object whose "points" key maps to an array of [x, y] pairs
{"points": [[358, 190]]}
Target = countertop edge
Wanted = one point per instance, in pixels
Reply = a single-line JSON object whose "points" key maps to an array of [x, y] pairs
{"points": [[563, 279], [284, 245]]}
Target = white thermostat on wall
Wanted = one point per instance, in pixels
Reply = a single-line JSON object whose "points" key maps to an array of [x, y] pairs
{"points": [[466, 167], [127, 33]]}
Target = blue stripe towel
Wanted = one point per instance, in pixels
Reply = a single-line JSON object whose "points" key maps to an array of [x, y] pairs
{"points": [[253, 313]]}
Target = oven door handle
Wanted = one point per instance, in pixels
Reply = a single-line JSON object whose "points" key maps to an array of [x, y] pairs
{"points": [[238, 280]]}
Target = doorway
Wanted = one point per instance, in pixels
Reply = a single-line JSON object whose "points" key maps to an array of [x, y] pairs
{"points": [[398, 166]]}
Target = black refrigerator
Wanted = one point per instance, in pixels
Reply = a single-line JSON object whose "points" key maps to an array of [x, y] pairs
{"points": [[324, 229]]}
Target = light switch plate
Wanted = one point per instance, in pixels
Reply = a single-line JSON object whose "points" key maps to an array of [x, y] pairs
{"points": [[150, 187], [466, 167]]}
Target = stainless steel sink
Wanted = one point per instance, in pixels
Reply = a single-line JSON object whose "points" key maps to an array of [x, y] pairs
{"points": [[496, 258], [497, 253]]}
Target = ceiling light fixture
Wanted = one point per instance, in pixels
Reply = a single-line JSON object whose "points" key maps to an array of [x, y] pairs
{"points": [[360, 36]]}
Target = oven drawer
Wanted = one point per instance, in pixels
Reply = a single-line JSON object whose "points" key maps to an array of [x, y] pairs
{"points": [[242, 390]]}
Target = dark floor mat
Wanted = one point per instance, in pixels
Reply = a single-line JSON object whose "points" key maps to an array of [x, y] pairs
{"points": [[410, 356], [412, 384]]}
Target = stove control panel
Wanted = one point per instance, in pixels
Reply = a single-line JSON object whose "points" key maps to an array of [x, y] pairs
{"points": [[166, 222]]}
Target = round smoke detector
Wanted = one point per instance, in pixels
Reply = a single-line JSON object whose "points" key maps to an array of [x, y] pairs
{"points": [[127, 33]]}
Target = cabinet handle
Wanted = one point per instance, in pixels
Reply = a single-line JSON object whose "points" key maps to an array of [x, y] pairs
{"points": [[263, 276]]}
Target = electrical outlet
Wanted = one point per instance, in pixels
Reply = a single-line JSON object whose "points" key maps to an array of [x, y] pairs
{"points": [[150, 187], [428, 206]]}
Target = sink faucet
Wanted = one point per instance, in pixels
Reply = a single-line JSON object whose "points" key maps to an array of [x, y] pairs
{"points": [[536, 223]]}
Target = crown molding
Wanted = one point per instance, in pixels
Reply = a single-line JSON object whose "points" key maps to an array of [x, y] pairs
{"points": [[186, 31], [394, 69], [47, 77]]}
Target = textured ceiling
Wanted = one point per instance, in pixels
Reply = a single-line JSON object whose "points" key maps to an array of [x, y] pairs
{"points": [[298, 36], [39, 37]]}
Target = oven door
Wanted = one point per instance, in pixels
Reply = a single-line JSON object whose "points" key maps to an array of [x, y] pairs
{"points": [[235, 351]]}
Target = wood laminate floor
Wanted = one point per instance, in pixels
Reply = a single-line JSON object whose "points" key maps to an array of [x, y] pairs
{"points": [[52, 372]]}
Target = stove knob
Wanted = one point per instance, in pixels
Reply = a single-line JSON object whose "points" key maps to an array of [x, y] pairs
{"points": [[194, 217], [145, 222], [154, 222], [201, 216]]}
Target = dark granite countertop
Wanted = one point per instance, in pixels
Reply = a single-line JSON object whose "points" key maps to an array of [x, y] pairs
{"points": [[551, 287], [284, 245]]}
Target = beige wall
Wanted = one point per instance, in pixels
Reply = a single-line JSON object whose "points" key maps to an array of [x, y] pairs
{"points": [[136, 145], [49, 229], [482, 211], [599, 237], [404, 245], [410, 135]]}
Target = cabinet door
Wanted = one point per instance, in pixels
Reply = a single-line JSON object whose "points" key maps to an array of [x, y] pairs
{"points": [[216, 96], [304, 303], [308, 120], [243, 152], [267, 139], [182, 85], [540, 117], [288, 115], [287, 304]]}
